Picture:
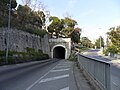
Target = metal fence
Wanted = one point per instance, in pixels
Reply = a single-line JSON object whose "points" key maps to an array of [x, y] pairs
{"points": [[97, 70]]}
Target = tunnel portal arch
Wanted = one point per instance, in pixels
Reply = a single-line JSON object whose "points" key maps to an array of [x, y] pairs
{"points": [[63, 43], [59, 51]]}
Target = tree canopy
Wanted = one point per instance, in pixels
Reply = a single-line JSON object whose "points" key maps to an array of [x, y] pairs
{"points": [[64, 28], [75, 35], [85, 42], [99, 41], [69, 25], [4, 7], [56, 25], [114, 36], [23, 17]]}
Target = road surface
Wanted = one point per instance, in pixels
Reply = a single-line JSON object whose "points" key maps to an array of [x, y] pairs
{"points": [[54, 76]]}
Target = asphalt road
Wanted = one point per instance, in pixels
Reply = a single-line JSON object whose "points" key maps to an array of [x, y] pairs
{"points": [[53, 76], [115, 69]]}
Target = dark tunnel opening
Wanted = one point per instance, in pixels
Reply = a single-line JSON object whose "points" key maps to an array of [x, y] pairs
{"points": [[59, 52]]}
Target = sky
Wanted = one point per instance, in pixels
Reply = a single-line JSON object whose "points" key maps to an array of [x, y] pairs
{"points": [[95, 17]]}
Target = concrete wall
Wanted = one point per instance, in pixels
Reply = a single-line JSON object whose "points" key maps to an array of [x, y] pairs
{"points": [[19, 40], [63, 42]]}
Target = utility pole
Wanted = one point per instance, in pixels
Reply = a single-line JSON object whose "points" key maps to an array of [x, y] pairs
{"points": [[100, 42], [7, 32]]}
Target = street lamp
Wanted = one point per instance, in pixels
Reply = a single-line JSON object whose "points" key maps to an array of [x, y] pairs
{"points": [[7, 32]]}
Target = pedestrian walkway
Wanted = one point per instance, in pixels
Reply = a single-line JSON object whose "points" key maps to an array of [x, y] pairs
{"points": [[81, 81], [113, 60]]}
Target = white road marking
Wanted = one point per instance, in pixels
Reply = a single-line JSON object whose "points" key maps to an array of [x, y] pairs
{"points": [[63, 66], [54, 78], [4, 66], [28, 88], [114, 83], [67, 88], [59, 70]]}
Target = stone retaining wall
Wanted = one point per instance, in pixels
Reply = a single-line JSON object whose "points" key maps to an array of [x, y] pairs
{"points": [[20, 40]]}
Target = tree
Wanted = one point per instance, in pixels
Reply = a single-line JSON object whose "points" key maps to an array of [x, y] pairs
{"points": [[26, 2], [85, 42], [69, 25], [112, 49], [23, 12], [24, 18], [41, 15], [99, 41], [55, 26], [13, 4], [4, 7], [4, 4], [29, 18], [114, 36], [75, 35], [64, 28]]}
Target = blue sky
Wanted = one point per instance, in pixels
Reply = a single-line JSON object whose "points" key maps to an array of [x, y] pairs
{"points": [[95, 17]]}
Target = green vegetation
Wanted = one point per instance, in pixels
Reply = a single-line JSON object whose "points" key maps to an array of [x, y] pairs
{"points": [[4, 11], [73, 57], [114, 43], [22, 18], [82, 49], [56, 26], [69, 26], [98, 41], [111, 49], [20, 57], [86, 43], [75, 35], [64, 28]]}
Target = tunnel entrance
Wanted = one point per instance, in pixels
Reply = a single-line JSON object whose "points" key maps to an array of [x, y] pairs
{"points": [[59, 52]]}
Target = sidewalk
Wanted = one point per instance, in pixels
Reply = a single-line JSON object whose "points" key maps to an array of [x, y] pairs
{"points": [[81, 81], [113, 60]]}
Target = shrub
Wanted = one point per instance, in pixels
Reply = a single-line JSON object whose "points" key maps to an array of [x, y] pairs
{"points": [[2, 53], [20, 57], [112, 49], [105, 52], [73, 57]]}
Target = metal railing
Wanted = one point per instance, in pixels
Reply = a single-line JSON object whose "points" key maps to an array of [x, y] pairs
{"points": [[97, 70]]}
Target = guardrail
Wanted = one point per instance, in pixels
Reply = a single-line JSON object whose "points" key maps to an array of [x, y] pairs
{"points": [[96, 71]]}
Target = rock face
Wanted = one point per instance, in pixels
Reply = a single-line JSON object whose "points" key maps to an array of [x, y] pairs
{"points": [[20, 40]]}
